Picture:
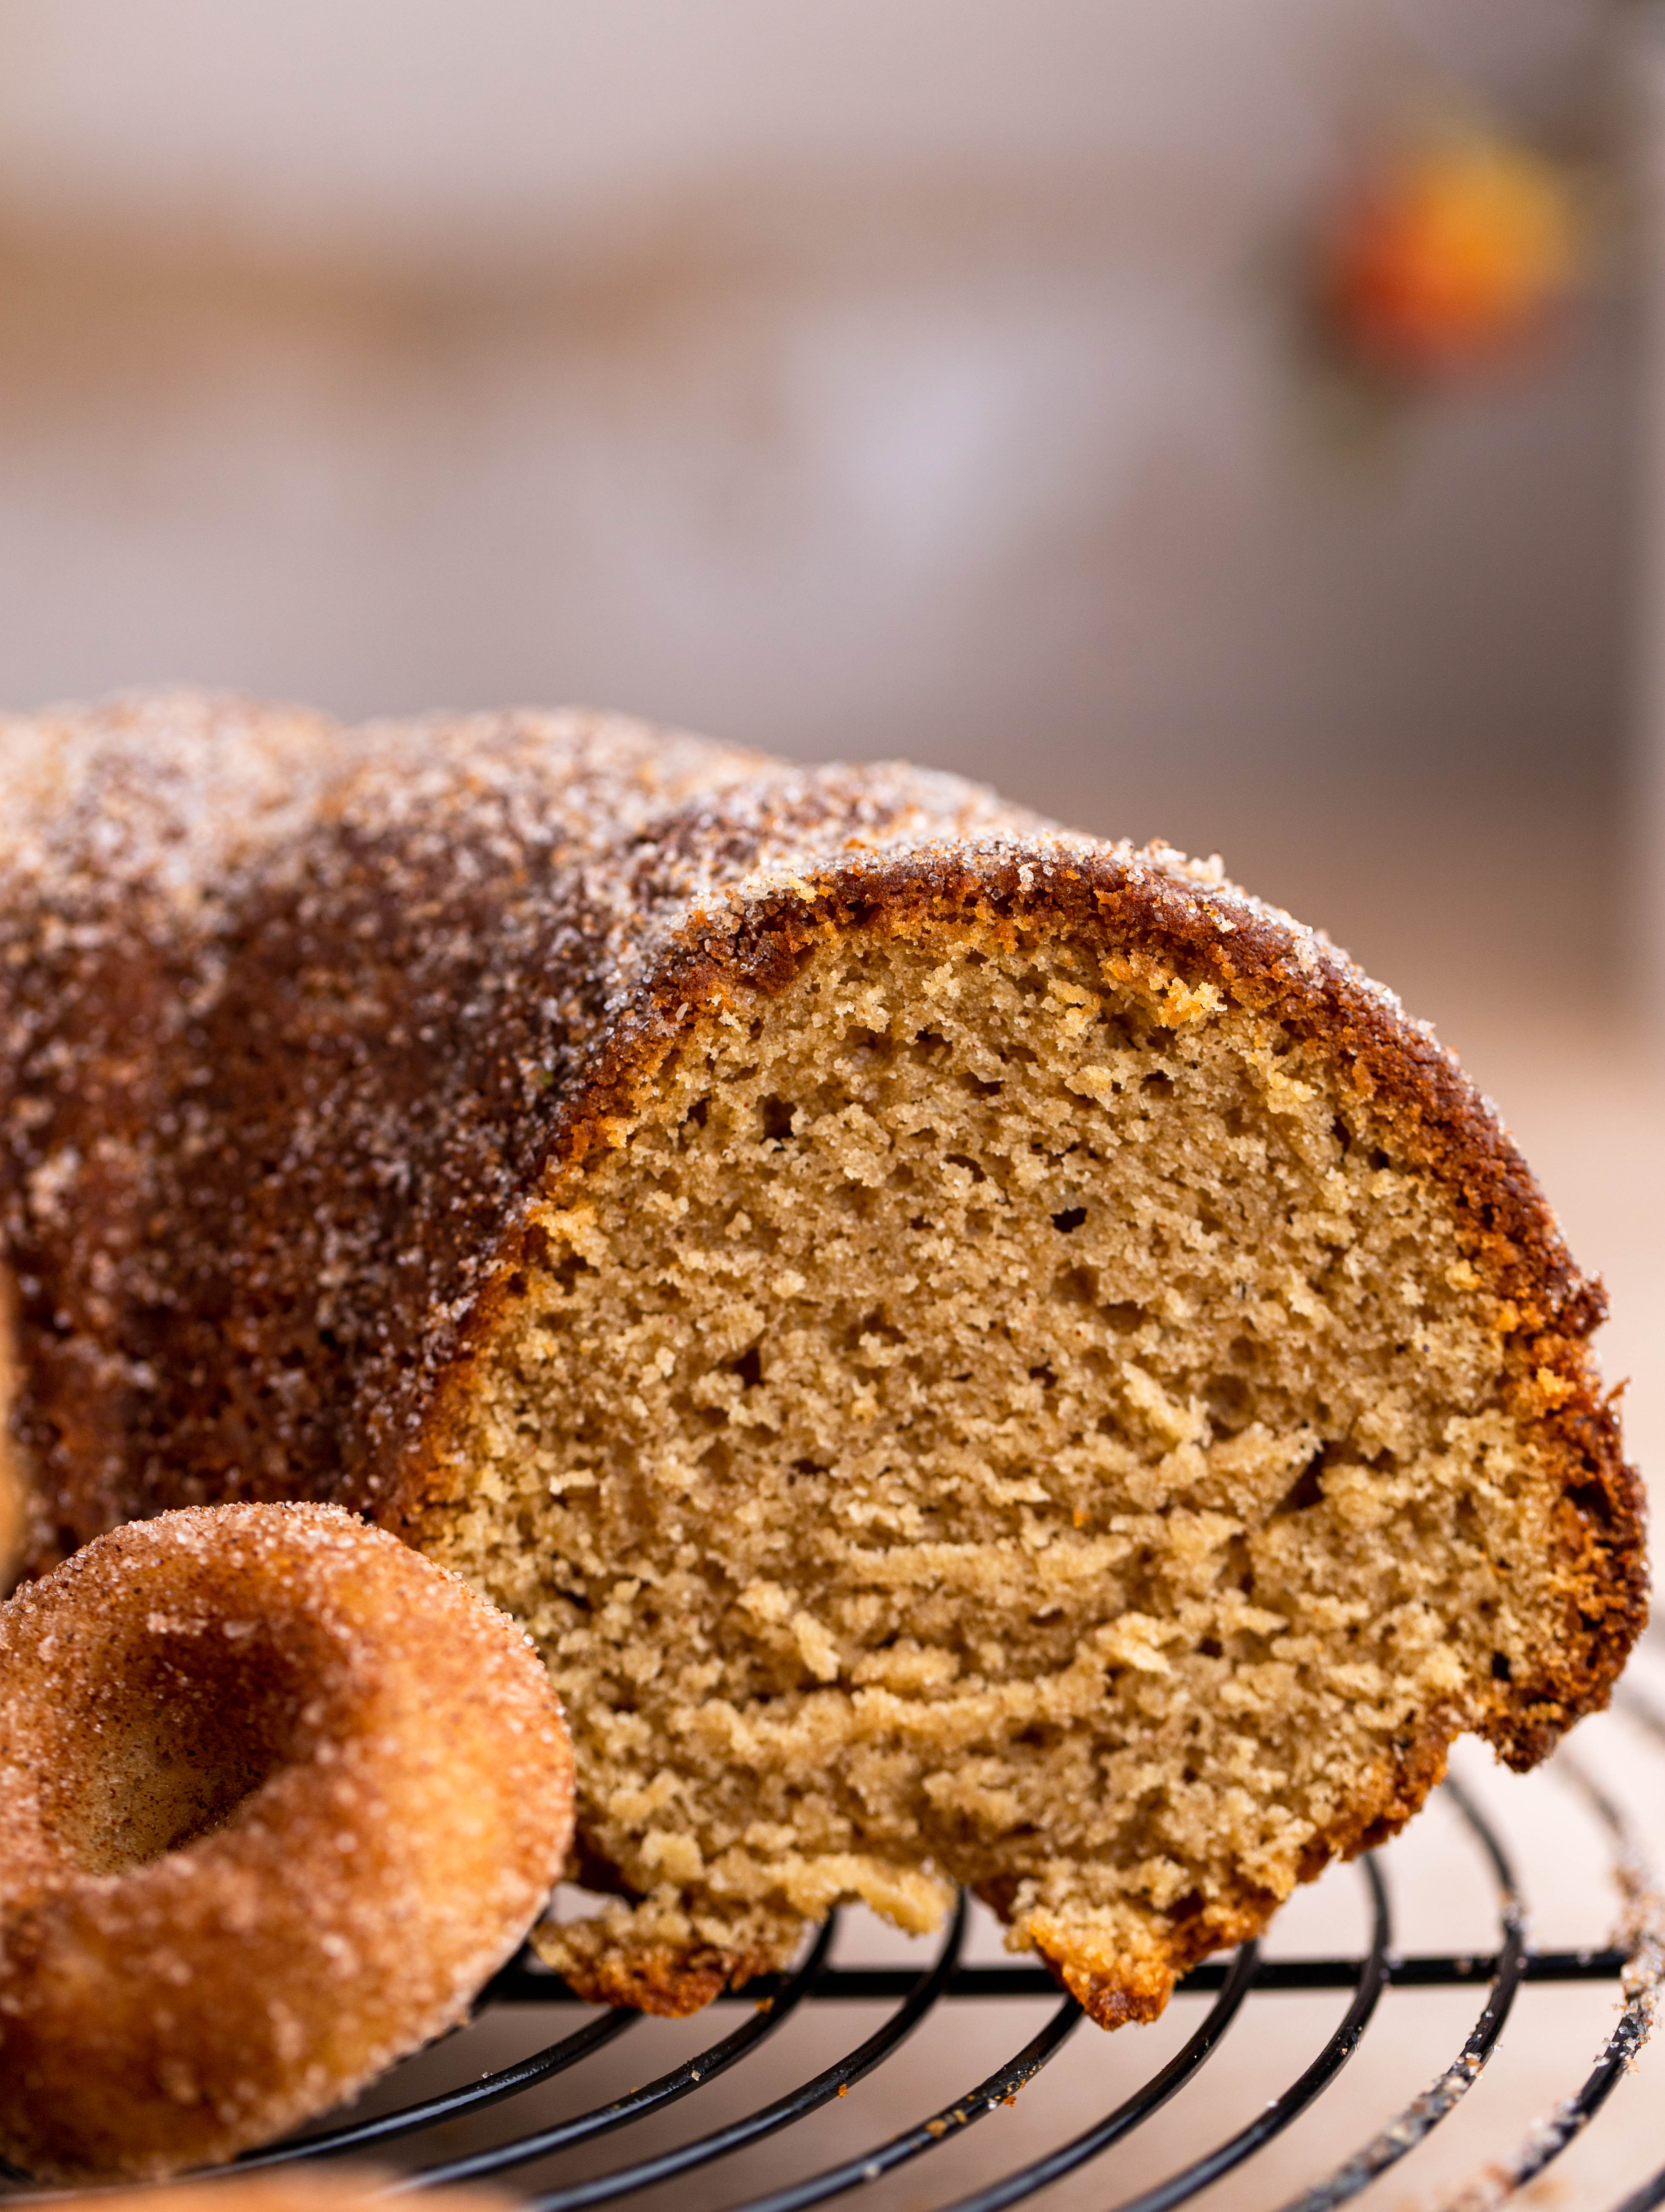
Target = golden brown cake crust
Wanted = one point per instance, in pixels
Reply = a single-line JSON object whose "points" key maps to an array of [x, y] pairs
{"points": [[288, 1053]]}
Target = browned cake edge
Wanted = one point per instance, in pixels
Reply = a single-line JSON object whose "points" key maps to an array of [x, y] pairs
{"points": [[14, 1483], [756, 942]]}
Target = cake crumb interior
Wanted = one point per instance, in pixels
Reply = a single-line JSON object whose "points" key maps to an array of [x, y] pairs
{"points": [[1003, 1415]]}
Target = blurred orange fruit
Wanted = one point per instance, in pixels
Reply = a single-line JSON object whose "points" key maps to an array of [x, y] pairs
{"points": [[1448, 255]]}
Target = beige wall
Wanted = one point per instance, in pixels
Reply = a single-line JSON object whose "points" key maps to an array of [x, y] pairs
{"points": [[844, 376]]}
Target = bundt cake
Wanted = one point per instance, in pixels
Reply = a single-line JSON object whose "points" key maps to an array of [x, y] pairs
{"points": [[979, 1355]]}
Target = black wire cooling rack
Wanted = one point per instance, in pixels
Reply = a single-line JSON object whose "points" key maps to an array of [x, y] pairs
{"points": [[1636, 1965]]}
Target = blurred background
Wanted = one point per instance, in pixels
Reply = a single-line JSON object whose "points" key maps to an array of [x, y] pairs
{"points": [[1237, 419], [1227, 419]]}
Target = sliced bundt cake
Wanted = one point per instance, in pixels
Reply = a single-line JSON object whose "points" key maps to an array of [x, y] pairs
{"points": [[979, 1355]]}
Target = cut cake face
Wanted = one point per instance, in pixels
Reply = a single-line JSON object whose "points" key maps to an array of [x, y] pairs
{"points": [[1004, 1414]]}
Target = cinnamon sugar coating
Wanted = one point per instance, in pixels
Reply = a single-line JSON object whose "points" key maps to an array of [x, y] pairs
{"points": [[277, 1796], [979, 1354]]}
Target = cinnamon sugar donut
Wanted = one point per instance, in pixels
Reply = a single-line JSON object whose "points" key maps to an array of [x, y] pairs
{"points": [[979, 1354], [277, 1796]]}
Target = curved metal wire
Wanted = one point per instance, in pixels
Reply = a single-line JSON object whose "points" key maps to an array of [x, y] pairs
{"points": [[1644, 1972], [831, 2082], [1133, 2111], [1424, 2113], [914, 2142], [1202, 2172], [1651, 2192], [668, 2089], [450, 2104]]}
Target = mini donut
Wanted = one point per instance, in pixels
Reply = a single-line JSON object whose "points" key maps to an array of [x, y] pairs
{"points": [[277, 1794]]}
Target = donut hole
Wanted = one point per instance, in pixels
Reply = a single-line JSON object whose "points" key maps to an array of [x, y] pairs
{"points": [[188, 1730]]}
